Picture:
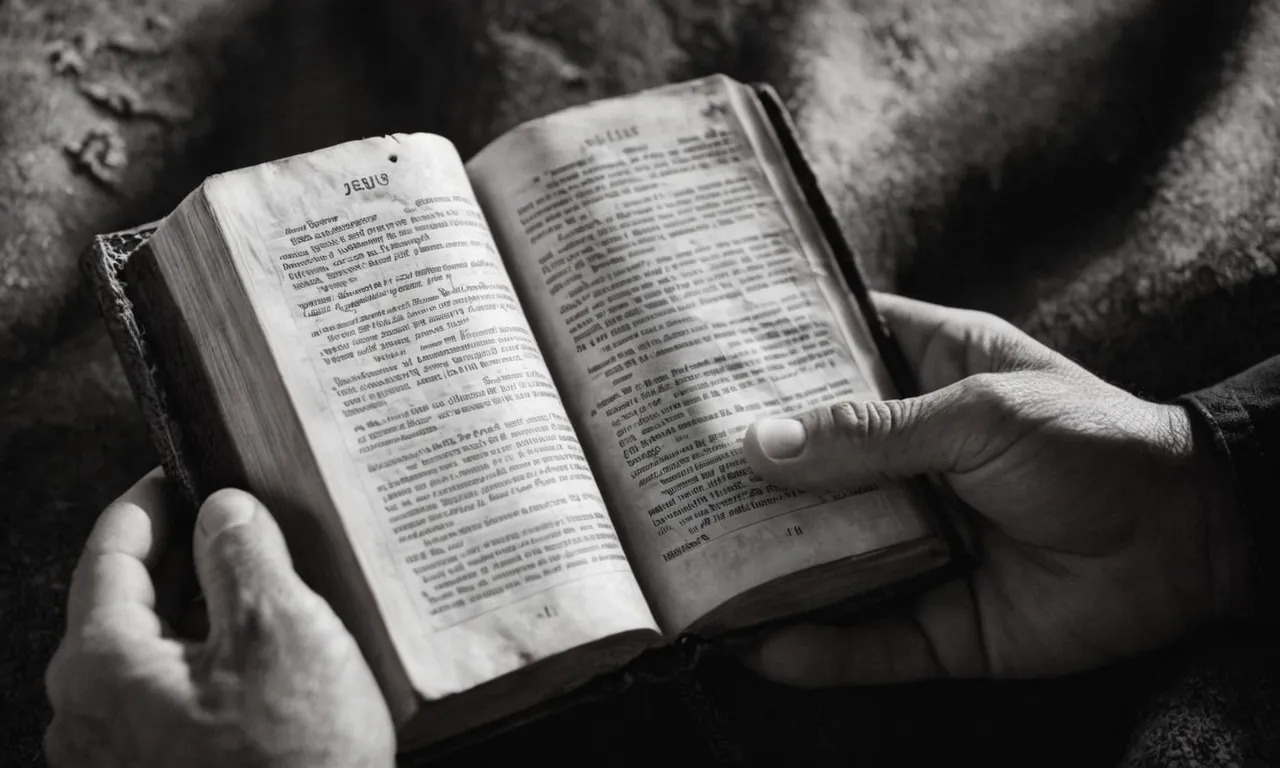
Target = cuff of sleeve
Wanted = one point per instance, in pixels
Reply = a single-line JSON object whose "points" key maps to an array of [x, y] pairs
{"points": [[1241, 453]]}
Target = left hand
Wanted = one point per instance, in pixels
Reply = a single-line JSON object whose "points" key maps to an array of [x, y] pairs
{"points": [[278, 681]]}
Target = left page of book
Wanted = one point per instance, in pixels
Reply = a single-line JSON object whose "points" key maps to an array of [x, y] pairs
{"points": [[429, 408]]}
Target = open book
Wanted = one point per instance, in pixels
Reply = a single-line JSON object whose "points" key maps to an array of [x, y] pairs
{"points": [[497, 406]]}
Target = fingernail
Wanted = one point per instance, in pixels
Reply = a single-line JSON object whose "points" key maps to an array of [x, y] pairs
{"points": [[781, 438], [226, 509]]}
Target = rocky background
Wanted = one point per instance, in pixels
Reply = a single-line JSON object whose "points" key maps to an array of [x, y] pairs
{"points": [[1101, 172]]}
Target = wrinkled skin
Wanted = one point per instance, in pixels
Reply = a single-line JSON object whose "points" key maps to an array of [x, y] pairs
{"points": [[276, 681], [1105, 527]]}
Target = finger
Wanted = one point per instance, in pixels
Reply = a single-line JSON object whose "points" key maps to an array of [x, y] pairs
{"points": [[946, 344], [852, 444], [127, 539], [243, 566], [914, 323], [812, 656], [930, 336], [939, 637]]}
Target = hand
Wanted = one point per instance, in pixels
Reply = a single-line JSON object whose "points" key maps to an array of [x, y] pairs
{"points": [[277, 682], [1104, 528]]}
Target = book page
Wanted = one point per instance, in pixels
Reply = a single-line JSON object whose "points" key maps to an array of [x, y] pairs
{"points": [[430, 409], [681, 291]]}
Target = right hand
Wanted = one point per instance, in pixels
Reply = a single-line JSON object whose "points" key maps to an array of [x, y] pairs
{"points": [[1105, 529]]}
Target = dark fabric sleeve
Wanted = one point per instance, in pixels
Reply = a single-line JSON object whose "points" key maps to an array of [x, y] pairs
{"points": [[1243, 416]]}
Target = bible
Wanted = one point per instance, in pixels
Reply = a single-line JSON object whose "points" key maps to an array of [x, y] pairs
{"points": [[497, 405]]}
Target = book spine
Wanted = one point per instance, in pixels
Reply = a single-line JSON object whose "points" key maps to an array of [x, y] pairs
{"points": [[102, 264], [940, 502]]}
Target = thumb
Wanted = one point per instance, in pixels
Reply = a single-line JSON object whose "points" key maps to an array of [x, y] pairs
{"points": [[852, 444], [243, 566]]}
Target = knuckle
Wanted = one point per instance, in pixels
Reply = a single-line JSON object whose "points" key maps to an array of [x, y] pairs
{"points": [[272, 612], [998, 325], [870, 420], [284, 639], [1011, 351], [993, 343], [256, 623], [847, 420], [986, 324], [1000, 402], [885, 417], [241, 639], [252, 608], [844, 417], [987, 391]]}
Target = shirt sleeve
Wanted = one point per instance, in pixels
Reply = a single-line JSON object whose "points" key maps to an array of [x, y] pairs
{"points": [[1243, 416]]}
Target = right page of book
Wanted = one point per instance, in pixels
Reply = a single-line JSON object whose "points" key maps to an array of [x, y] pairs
{"points": [[681, 290]]}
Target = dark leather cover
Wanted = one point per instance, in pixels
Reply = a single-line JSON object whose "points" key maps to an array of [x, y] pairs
{"points": [[151, 342]]}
